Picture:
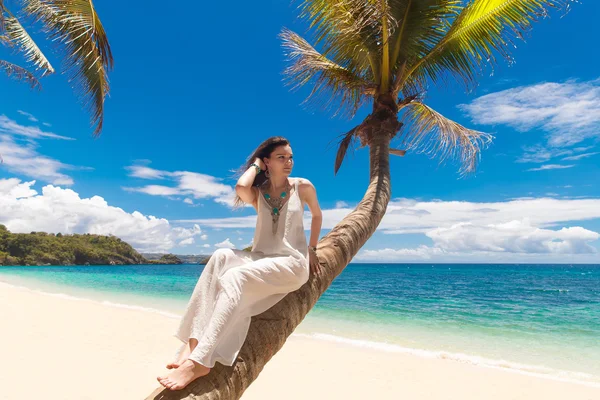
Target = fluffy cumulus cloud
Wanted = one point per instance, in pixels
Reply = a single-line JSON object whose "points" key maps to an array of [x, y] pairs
{"points": [[225, 244], [187, 242], [341, 204], [55, 209], [513, 237], [193, 185], [414, 216], [569, 113], [508, 231]]}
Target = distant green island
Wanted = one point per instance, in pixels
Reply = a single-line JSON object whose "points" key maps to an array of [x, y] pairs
{"points": [[41, 248]]}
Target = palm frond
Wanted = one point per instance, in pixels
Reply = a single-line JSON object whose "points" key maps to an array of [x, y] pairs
{"points": [[14, 71], [343, 148], [421, 25], [397, 152], [5, 41], [431, 133], [87, 54], [19, 36], [349, 32], [332, 82], [483, 28], [2, 8]]}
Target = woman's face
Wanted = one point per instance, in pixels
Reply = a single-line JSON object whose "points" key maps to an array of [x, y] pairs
{"points": [[281, 161]]}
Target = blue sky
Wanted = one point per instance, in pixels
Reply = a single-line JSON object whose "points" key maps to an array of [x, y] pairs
{"points": [[189, 101]]}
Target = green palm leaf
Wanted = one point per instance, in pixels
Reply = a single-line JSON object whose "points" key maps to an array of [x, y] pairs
{"points": [[349, 32], [431, 133], [482, 28], [421, 25], [14, 71], [308, 65], [87, 54], [19, 36]]}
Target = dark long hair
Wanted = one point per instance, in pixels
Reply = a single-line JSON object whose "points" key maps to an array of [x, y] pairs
{"points": [[263, 150]]}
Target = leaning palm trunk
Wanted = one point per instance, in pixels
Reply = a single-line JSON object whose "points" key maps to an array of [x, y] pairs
{"points": [[269, 330]]}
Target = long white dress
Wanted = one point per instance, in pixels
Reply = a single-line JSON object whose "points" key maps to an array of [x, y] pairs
{"points": [[236, 284]]}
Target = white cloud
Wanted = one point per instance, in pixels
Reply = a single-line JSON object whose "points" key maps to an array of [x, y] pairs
{"points": [[580, 156], [29, 116], [515, 241], [539, 153], [196, 185], [341, 204], [140, 171], [204, 237], [568, 111], [206, 245], [187, 242], [546, 225], [155, 190], [11, 127], [24, 159], [551, 166], [23, 209], [414, 216], [419, 253], [431, 254], [225, 244], [188, 201], [513, 237]]}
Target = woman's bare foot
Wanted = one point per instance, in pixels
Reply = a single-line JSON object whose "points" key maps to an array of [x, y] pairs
{"points": [[185, 353], [187, 372]]}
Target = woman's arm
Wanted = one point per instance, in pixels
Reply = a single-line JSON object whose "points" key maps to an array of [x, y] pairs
{"points": [[244, 188], [308, 194]]}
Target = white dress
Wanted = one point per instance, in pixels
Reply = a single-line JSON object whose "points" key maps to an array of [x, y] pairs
{"points": [[237, 284]]}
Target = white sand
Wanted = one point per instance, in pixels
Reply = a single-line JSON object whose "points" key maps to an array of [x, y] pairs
{"points": [[79, 350]]}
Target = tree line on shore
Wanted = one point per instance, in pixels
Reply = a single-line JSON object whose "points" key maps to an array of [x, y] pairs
{"points": [[41, 248]]}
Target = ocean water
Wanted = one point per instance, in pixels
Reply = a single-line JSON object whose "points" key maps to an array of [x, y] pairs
{"points": [[533, 319]]}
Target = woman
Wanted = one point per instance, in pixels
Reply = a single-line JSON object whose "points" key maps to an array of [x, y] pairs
{"points": [[236, 284]]}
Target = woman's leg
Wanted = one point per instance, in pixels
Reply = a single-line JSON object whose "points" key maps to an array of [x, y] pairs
{"points": [[203, 299], [244, 289], [201, 302], [241, 288]]}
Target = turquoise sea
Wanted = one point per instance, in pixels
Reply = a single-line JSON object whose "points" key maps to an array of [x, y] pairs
{"points": [[534, 319]]}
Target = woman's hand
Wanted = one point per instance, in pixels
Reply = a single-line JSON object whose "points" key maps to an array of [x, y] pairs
{"points": [[313, 261], [258, 161]]}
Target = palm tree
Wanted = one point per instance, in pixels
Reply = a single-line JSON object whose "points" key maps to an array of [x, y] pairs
{"points": [[386, 52], [84, 47]]}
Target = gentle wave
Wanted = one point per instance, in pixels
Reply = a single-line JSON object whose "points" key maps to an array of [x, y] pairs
{"points": [[102, 302], [532, 370]]}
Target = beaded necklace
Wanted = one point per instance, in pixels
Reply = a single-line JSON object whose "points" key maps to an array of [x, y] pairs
{"points": [[276, 204]]}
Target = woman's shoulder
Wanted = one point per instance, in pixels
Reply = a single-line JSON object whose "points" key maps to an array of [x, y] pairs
{"points": [[305, 187], [303, 182]]}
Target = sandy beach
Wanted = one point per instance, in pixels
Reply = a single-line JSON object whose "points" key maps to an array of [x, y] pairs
{"points": [[60, 348]]}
